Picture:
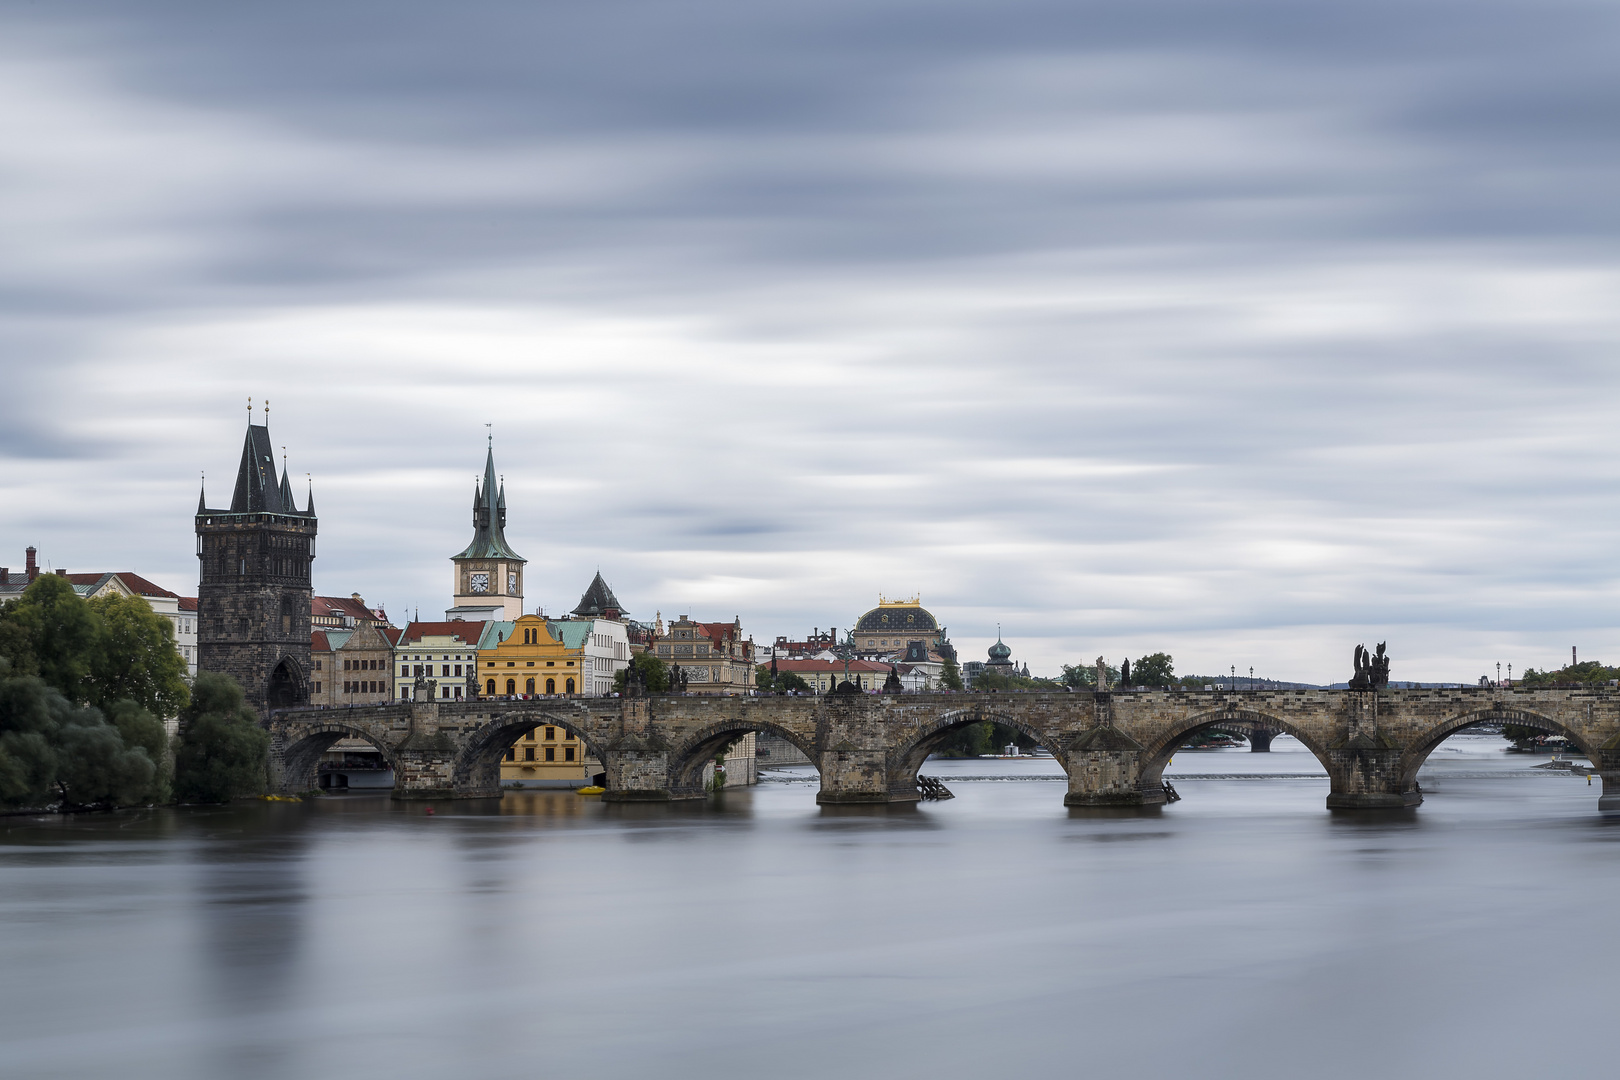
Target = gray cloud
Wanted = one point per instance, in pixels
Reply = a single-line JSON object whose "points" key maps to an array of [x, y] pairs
{"points": [[1243, 330]]}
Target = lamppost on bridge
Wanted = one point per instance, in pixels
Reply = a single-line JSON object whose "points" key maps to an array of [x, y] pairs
{"points": [[1231, 684], [1251, 676], [1499, 673]]}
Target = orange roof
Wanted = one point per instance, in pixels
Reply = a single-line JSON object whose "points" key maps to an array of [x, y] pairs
{"points": [[318, 642], [188, 603]]}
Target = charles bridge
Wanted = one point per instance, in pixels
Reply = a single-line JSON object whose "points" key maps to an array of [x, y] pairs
{"points": [[869, 748]]}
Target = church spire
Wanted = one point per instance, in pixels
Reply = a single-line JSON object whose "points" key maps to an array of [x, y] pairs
{"points": [[489, 517]]}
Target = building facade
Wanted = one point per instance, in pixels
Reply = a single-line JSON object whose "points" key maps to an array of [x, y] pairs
{"points": [[446, 653], [253, 585], [488, 573], [529, 657], [352, 667], [605, 643], [713, 658]]}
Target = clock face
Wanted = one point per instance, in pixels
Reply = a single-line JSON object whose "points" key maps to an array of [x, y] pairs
{"points": [[478, 582], [511, 583]]}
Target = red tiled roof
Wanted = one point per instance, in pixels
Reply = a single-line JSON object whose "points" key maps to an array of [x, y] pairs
{"points": [[318, 642], [466, 631], [141, 587], [345, 605], [392, 633], [188, 603]]}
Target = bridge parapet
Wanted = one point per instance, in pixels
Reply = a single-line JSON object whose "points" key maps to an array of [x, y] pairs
{"points": [[868, 748]]}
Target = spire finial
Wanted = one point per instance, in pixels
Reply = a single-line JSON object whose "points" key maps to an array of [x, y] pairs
{"points": [[490, 435], [266, 412], [250, 408]]}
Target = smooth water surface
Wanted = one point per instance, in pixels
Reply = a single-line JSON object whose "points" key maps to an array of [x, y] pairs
{"points": [[1244, 931]]}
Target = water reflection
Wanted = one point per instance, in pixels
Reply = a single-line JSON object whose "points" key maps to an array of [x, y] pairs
{"points": [[1243, 931]]}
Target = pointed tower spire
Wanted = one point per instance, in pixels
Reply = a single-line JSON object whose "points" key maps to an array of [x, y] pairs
{"points": [[202, 497], [287, 504], [310, 511], [489, 517]]}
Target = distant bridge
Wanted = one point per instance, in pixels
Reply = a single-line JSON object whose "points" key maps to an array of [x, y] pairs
{"points": [[868, 748]]}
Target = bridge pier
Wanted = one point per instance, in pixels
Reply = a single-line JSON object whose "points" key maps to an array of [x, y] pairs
{"points": [[1106, 767], [1607, 763], [1260, 739], [1366, 775]]}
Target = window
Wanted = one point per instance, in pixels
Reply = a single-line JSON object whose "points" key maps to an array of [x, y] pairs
{"points": [[529, 664], [528, 687], [551, 734], [445, 670], [458, 669], [528, 753], [511, 753], [489, 663], [568, 753], [551, 753], [490, 689], [551, 663], [404, 669], [568, 687], [529, 735], [511, 686], [404, 693], [551, 686]]}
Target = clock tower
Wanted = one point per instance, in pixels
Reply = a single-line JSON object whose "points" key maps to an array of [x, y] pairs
{"points": [[489, 574]]}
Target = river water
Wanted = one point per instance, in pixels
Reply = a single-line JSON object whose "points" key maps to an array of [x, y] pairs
{"points": [[1244, 931]]}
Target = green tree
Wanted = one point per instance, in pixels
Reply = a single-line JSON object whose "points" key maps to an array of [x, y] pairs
{"points": [[55, 751], [1586, 673], [1084, 676], [140, 728], [784, 681], [223, 751], [61, 633], [950, 677], [1154, 669], [135, 658], [652, 670]]}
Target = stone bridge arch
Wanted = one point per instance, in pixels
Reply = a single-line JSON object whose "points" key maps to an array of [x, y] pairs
{"points": [[296, 749], [1416, 754], [477, 765], [688, 758], [906, 759], [1157, 753]]}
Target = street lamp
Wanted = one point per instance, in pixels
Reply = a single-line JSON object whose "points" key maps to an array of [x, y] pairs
{"points": [[1499, 673], [1232, 683], [1251, 676]]}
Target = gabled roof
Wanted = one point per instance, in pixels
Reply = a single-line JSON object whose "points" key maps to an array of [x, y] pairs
{"points": [[489, 519], [802, 667], [324, 606], [598, 600], [141, 587], [188, 603], [494, 633], [318, 642]]}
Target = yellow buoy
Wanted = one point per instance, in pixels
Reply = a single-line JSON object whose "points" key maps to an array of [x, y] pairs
{"points": [[591, 790]]}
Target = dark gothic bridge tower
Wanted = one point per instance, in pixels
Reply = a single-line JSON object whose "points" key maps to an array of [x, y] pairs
{"points": [[253, 586]]}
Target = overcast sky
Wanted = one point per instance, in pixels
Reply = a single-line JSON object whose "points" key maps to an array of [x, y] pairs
{"points": [[1245, 331]]}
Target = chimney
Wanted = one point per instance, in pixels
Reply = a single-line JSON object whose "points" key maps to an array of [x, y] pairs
{"points": [[33, 564], [62, 572]]}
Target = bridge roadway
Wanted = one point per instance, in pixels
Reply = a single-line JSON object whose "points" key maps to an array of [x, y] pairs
{"points": [[868, 748]]}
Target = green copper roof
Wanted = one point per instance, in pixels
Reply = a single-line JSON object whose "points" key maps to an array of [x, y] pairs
{"points": [[489, 519]]}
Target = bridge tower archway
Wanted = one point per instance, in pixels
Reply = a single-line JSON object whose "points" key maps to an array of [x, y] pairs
{"points": [[300, 755], [478, 766], [687, 761]]}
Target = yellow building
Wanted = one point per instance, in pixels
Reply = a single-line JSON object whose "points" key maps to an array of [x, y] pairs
{"points": [[524, 658], [529, 657]]}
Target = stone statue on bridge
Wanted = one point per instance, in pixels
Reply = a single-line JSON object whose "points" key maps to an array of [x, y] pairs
{"points": [[1372, 669]]}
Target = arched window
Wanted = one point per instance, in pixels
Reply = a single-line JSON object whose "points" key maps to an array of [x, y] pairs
{"points": [[551, 686], [511, 686], [490, 690], [528, 687], [569, 686]]}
